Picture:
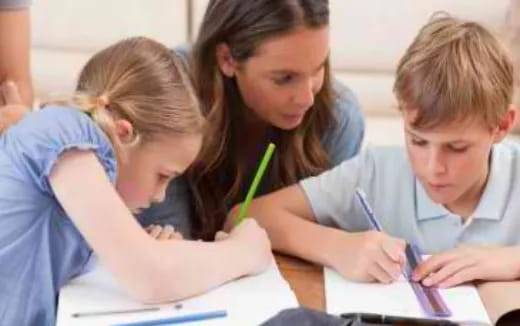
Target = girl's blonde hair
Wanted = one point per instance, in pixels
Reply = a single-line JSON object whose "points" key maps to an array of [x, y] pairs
{"points": [[143, 82], [455, 70]]}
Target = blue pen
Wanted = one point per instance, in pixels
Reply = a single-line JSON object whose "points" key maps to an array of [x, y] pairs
{"points": [[429, 298], [179, 319], [369, 213]]}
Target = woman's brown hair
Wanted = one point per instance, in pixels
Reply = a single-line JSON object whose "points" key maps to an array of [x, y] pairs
{"points": [[219, 175]]}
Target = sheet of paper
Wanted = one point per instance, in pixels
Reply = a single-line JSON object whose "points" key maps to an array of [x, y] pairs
{"points": [[398, 299], [248, 301]]}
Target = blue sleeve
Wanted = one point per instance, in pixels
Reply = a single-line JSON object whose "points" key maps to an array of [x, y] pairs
{"points": [[344, 141], [37, 141]]}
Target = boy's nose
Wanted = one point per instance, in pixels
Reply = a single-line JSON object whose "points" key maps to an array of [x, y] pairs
{"points": [[436, 164]]}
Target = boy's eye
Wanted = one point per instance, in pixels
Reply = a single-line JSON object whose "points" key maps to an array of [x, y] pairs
{"points": [[419, 142], [458, 149], [283, 79]]}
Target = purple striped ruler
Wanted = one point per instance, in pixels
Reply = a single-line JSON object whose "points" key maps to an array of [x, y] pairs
{"points": [[429, 297]]}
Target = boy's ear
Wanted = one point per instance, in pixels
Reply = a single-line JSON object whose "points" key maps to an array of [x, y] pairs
{"points": [[125, 131], [507, 123], [225, 60]]}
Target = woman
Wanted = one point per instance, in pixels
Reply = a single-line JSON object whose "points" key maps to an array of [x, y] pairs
{"points": [[261, 71]]}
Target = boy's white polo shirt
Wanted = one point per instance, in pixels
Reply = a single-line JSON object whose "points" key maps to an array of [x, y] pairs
{"points": [[404, 209]]}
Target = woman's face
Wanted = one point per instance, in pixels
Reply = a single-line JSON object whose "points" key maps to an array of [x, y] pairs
{"points": [[279, 82]]}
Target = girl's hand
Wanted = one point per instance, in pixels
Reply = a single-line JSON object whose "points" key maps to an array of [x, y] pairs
{"points": [[252, 243], [166, 232], [468, 263]]}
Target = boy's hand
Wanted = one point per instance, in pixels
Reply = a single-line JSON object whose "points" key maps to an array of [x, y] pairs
{"points": [[467, 263], [13, 108], [370, 256], [166, 232], [252, 243]]}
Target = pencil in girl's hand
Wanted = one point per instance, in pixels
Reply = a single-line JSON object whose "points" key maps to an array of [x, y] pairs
{"points": [[256, 181]]}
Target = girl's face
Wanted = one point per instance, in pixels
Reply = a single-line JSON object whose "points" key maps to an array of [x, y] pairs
{"points": [[150, 166], [279, 83]]}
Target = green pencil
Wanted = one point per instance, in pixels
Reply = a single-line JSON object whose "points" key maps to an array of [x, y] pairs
{"points": [[256, 181]]}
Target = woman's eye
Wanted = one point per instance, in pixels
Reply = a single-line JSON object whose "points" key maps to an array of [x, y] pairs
{"points": [[282, 80]]}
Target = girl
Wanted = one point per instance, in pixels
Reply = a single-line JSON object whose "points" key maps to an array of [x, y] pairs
{"points": [[261, 70], [70, 176]]}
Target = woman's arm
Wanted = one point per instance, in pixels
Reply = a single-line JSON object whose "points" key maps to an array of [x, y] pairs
{"points": [[151, 270], [14, 51]]}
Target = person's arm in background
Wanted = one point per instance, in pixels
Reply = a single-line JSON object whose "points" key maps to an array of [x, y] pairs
{"points": [[15, 48], [13, 108]]}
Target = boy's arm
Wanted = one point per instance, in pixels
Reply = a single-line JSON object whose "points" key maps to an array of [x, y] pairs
{"points": [[288, 218], [15, 51], [151, 270], [293, 229]]}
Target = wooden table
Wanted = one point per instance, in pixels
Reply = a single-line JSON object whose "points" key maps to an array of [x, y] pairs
{"points": [[305, 279]]}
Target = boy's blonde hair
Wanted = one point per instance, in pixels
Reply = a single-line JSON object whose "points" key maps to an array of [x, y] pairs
{"points": [[452, 71], [142, 81]]}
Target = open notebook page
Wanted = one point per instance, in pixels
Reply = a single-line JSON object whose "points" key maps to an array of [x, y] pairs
{"points": [[398, 299], [248, 301]]}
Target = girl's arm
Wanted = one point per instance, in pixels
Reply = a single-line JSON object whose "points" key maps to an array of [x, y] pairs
{"points": [[151, 270], [14, 51]]}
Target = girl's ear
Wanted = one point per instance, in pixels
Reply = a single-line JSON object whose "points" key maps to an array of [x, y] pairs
{"points": [[225, 60], [125, 131]]}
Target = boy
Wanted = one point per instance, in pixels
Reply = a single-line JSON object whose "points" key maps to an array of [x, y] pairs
{"points": [[451, 192]]}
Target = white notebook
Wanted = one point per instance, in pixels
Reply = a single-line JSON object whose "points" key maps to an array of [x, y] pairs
{"points": [[398, 299], [248, 301]]}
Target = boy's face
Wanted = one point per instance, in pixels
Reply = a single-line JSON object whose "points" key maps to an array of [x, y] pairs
{"points": [[451, 161], [149, 167]]}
